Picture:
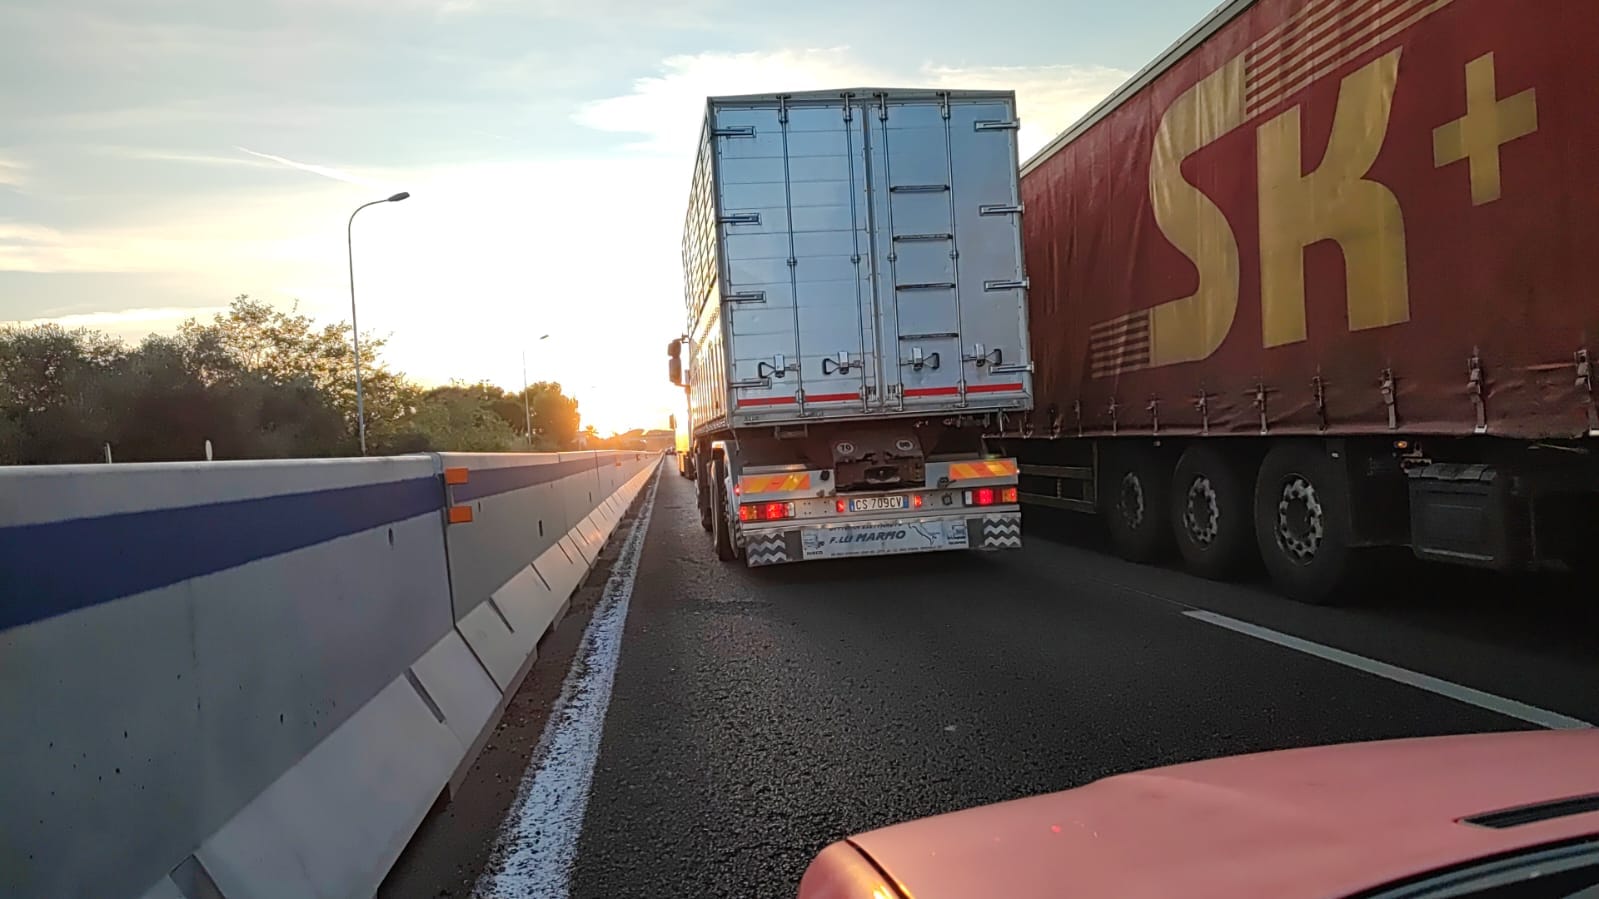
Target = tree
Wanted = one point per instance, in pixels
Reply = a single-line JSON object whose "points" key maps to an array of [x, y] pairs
{"points": [[255, 381], [458, 418], [53, 393], [254, 339], [555, 415]]}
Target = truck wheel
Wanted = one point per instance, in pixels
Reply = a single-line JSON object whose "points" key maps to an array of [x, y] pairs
{"points": [[722, 529], [1211, 512], [1302, 523], [1134, 496]]}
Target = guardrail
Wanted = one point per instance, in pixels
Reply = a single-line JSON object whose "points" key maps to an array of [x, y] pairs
{"points": [[253, 679]]}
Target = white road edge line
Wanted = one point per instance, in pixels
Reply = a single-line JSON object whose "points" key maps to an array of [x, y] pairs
{"points": [[537, 845], [1507, 707]]}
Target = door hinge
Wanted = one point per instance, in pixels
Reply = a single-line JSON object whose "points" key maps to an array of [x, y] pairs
{"points": [[735, 131], [749, 296], [1001, 209], [1012, 125], [740, 218]]}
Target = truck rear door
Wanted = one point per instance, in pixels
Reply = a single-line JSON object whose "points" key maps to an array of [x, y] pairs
{"points": [[948, 245], [791, 180]]}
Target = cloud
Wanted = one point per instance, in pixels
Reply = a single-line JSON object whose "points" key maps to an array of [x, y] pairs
{"points": [[12, 173], [1048, 98], [131, 325], [244, 231], [139, 321], [324, 171], [665, 109], [148, 154]]}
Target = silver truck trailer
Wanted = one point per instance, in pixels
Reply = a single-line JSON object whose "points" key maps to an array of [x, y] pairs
{"points": [[856, 323]]}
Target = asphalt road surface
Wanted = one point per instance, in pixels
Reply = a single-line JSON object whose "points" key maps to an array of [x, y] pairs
{"points": [[756, 716]]}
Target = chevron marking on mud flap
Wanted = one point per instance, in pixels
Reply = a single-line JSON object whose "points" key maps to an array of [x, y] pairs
{"points": [[1002, 532], [766, 550]]}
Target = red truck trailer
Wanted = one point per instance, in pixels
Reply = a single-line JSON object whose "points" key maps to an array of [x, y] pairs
{"points": [[1324, 277]]}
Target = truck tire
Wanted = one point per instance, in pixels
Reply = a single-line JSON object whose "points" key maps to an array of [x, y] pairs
{"points": [[702, 494], [1134, 495], [1302, 523], [1212, 512], [722, 528]]}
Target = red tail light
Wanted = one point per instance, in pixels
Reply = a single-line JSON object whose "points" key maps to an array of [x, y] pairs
{"points": [[841, 506], [991, 496], [765, 511]]}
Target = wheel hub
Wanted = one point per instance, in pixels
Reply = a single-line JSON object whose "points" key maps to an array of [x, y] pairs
{"points": [[1202, 512], [1301, 523]]}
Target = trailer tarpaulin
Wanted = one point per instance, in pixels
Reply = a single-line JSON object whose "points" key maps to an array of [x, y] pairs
{"points": [[1331, 217]]}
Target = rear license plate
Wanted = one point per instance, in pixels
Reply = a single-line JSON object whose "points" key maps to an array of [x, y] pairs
{"points": [[879, 504]]}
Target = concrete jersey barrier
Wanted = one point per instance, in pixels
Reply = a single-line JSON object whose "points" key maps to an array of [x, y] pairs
{"points": [[255, 678]]}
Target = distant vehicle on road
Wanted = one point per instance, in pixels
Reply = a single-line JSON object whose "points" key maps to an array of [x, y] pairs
{"points": [[1507, 816], [856, 322], [1321, 278]]}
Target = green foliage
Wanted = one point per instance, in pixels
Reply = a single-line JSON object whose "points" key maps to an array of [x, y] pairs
{"points": [[461, 418], [255, 381], [555, 416]]}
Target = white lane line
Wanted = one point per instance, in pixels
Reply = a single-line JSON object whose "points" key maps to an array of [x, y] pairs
{"points": [[537, 845], [1508, 707]]}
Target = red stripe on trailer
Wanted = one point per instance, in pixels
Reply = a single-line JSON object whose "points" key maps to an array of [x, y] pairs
{"points": [[769, 401], [832, 397], [994, 388], [933, 391]]}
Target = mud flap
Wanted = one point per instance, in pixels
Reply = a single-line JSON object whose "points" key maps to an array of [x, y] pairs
{"points": [[1000, 531]]}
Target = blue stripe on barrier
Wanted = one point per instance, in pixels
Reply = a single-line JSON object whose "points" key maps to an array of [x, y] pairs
{"points": [[492, 481], [55, 568]]}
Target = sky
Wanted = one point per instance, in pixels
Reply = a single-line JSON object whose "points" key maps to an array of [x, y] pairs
{"points": [[159, 157]]}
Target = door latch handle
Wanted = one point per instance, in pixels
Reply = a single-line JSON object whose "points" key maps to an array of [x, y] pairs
{"points": [[981, 359], [842, 366], [777, 368], [917, 361]]}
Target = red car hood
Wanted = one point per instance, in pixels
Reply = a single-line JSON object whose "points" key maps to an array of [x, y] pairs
{"points": [[1308, 822]]}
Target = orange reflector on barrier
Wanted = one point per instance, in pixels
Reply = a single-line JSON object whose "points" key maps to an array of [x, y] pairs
{"points": [[988, 468], [460, 514], [456, 475]]}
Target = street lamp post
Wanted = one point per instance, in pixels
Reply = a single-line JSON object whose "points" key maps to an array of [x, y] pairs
{"points": [[527, 404], [355, 329]]}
